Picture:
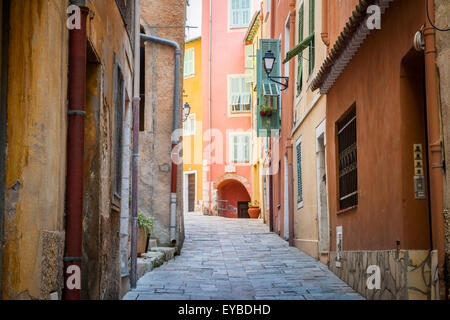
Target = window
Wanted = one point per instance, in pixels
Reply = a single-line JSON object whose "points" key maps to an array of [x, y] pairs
{"points": [[299, 174], [189, 62], [189, 126], [268, 6], [300, 56], [240, 147], [348, 170], [240, 14], [119, 102], [240, 94], [312, 50]]}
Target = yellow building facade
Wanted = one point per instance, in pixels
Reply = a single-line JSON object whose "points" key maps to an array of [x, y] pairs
{"points": [[311, 218], [192, 127]]}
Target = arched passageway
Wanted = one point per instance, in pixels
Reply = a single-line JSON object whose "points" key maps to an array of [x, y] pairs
{"points": [[233, 199]]}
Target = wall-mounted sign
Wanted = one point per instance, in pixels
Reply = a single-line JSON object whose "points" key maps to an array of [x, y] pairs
{"points": [[419, 176]]}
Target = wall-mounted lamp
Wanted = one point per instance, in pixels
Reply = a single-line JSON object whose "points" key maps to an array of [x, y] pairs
{"points": [[269, 61], [186, 111]]}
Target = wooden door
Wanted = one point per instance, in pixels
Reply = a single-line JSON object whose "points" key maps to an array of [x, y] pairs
{"points": [[191, 192], [243, 210]]}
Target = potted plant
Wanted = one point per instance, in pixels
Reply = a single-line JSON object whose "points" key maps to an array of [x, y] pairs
{"points": [[254, 210], [145, 225], [266, 111]]}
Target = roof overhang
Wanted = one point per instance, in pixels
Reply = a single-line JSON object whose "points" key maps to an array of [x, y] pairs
{"points": [[346, 46], [253, 28]]}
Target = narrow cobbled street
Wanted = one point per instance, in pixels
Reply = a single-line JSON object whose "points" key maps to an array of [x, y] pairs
{"points": [[238, 259]]}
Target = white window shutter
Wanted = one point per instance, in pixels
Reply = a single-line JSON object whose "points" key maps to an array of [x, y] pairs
{"points": [[249, 66]]}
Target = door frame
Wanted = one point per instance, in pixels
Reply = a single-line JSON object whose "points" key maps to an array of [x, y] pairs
{"points": [[286, 198], [186, 190], [321, 132]]}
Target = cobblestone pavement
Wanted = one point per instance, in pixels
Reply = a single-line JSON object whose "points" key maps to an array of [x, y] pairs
{"points": [[237, 259]]}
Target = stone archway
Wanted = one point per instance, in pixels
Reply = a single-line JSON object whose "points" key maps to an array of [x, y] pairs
{"points": [[232, 176], [231, 192]]}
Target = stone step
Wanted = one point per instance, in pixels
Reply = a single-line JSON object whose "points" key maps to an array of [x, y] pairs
{"points": [[156, 258], [169, 253], [153, 243]]}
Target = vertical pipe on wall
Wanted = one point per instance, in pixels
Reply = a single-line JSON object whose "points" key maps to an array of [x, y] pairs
{"points": [[289, 146], [435, 147], [75, 159], [324, 33], [210, 107], [175, 139], [135, 157]]}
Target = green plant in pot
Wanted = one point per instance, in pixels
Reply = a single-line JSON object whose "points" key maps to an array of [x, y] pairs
{"points": [[146, 225], [266, 111], [254, 210]]}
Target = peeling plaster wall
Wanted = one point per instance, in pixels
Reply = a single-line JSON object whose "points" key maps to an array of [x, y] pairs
{"points": [[155, 142], [36, 153], [110, 43], [35, 160], [442, 14]]}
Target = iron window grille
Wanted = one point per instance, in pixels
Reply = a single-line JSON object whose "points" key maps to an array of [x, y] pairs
{"points": [[348, 158]]}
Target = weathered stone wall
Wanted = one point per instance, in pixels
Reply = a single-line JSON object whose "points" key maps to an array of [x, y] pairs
{"points": [[110, 51], [405, 275], [442, 13], [155, 141]]}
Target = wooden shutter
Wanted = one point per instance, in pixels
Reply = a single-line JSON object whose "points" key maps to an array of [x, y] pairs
{"points": [[235, 13], [246, 145], [299, 173], [265, 125], [189, 62], [245, 11], [300, 56], [235, 146], [235, 94], [249, 64], [311, 31]]}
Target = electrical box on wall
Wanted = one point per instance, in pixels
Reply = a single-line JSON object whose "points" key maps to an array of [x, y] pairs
{"points": [[339, 244], [419, 176]]}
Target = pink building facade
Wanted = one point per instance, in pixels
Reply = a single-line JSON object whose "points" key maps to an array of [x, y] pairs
{"points": [[226, 107]]}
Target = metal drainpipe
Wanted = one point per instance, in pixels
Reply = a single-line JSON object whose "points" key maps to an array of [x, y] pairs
{"points": [[210, 107], [135, 157], [75, 158], [435, 148], [175, 140]]}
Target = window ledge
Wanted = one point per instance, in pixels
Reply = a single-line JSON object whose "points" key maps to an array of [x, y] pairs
{"points": [[347, 210]]}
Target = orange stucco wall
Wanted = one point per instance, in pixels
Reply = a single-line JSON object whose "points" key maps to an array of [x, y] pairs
{"points": [[389, 121]]}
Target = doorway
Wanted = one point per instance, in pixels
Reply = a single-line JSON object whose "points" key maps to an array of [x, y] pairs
{"points": [[190, 191], [322, 191], [243, 210]]}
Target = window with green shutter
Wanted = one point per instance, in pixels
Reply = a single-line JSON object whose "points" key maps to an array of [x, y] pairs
{"points": [[240, 147], [300, 56], [240, 14], [299, 174], [189, 62], [312, 51]]}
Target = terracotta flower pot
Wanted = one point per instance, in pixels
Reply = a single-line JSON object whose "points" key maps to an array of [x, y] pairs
{"points": [[254, 212], [142, 240]]}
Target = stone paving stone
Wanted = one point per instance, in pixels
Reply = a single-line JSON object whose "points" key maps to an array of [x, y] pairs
{"points": [[239, 259]]}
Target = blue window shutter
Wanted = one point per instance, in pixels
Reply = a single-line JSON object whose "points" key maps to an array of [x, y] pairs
{"points": [[299, 174], [267, 124]]}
